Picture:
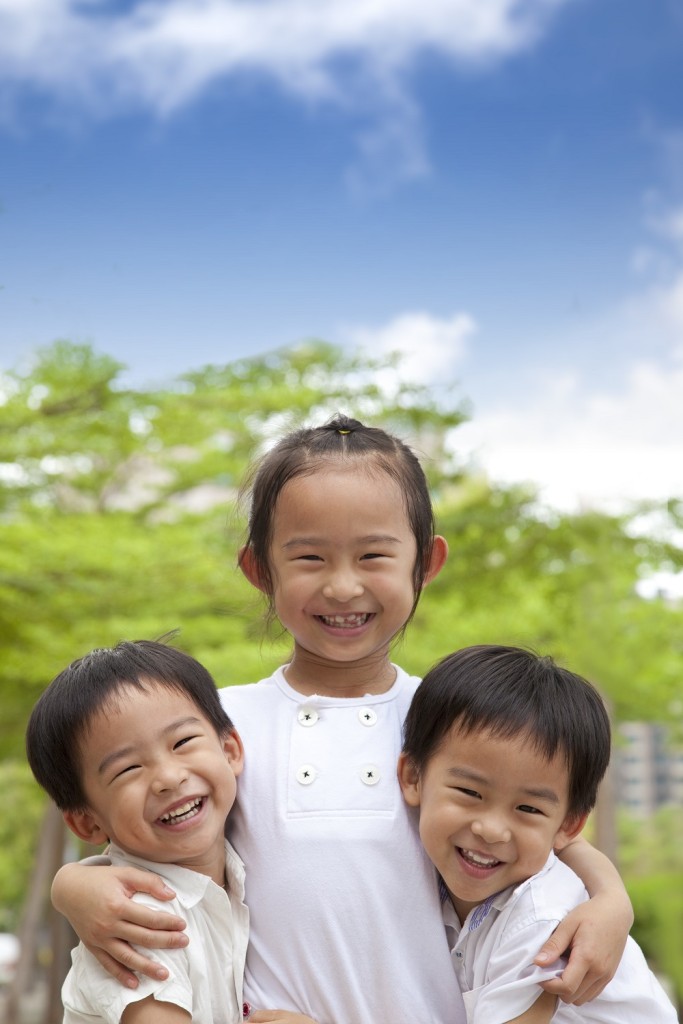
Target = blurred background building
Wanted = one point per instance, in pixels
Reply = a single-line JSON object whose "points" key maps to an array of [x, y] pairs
{"points": [[649, 768]]}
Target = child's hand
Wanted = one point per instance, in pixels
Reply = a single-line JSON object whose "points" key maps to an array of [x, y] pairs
{"points": [[97, 902], [596, 931], [278, 1017]]}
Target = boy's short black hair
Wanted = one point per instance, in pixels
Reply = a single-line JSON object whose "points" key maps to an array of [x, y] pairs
{"points": [[513, 692], [66, 708]]}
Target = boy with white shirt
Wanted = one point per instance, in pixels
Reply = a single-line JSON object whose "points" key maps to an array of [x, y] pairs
{"points": [[133, 745], [503, 754]]}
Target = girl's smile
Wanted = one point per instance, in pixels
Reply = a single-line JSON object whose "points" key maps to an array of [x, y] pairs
{"points": [[342, 560]]}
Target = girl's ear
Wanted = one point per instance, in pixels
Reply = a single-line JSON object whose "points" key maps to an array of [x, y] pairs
{"points": [[569, 829], [234, 751], [83, 824], [437, 558], [251, 568], [409, 780]]}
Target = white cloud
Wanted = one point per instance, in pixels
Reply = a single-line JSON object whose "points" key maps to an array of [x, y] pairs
{"points": [[588, 446], [580, 442], [430, 349], [162, 54]]}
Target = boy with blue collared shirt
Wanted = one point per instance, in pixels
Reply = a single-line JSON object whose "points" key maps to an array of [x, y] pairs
{"points": [[503, 754]]}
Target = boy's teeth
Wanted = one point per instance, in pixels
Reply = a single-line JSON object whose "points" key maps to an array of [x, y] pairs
{"points": [[480, 859], [186, 811], [350, 621]]}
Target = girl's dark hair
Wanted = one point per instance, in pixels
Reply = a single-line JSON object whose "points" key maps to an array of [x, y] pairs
{"points": [[64, 712], [512, 692], [342, 439]]}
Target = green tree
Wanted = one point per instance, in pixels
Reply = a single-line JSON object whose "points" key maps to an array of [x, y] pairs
{"points": [[118, 518]]}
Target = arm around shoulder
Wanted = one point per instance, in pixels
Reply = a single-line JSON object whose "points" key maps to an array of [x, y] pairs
{"points": [[97, 902], [595, 932]]}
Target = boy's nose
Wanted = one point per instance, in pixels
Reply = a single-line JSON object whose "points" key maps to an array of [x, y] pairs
{"points": [[169, 777], [491, 829]]}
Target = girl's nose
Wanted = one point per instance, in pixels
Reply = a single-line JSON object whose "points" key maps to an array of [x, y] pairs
{"points": [[342, 586], [492, 829]]}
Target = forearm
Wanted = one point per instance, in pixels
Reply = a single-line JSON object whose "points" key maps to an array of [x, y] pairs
{"points": [[597, 872]]}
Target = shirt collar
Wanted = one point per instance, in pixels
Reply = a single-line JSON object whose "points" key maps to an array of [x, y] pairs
{"points": [[189, 886]]}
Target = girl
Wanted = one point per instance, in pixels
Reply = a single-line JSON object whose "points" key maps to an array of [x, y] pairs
{"points": [[345, 917]]}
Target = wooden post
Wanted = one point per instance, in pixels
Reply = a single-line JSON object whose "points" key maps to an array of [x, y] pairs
{"points": [[48, 860]]}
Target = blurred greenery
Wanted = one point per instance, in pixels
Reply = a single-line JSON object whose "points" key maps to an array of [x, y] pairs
{"points": [[119, 519]]}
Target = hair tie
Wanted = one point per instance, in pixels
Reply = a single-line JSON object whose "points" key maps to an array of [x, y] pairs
{"points": [[342, 425]]}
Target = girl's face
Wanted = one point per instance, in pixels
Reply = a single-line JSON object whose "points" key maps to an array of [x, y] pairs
{"points": [[341, 560]]}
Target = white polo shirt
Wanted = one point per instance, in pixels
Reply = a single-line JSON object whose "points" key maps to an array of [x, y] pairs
{"points": [[205, 977], [494, 949], [346, 922]]}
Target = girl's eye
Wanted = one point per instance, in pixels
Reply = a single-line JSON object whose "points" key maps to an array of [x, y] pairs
{"points": [[529, 810], [129, 768], [372, 554], [309, 558], [469, 792]]}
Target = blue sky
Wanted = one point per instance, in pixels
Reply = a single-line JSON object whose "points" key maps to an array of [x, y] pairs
{"points": [[494, 187]]}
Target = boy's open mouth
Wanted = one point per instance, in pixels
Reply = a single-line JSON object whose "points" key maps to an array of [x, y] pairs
{"points": [[478, 860], [183, 813]]}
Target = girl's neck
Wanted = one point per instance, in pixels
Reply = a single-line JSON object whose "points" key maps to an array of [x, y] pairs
{"points": [[308, 674]]}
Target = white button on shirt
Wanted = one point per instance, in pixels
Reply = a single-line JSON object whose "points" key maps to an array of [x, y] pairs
{"points": [[370, 774], [306, 774], [367, 716], [307, 716]]}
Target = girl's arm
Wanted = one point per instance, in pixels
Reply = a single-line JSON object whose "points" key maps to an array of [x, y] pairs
{"points": [[596, 930], [97, 902]]}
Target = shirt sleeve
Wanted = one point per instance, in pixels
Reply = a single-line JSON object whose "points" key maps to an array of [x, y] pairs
{"points": [[512, 979], [89, 989]]}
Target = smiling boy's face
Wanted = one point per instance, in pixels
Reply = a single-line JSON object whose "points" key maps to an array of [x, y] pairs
{"points": [[158, 779], [491, 810]]}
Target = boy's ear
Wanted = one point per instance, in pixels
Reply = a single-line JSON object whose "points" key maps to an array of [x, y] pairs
{"points": [[409, 780], [251, 568], [437, 558], [83, 824], [234, 751], [568, 830]]}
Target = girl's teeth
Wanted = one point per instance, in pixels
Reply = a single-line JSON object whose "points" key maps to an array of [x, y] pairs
{"points": [[187, 810], [347, 621]]}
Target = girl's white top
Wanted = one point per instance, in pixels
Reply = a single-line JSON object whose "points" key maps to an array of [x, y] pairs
{"points": [[346, 922]]}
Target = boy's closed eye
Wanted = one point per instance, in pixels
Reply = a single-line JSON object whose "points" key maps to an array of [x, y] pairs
{"points": [[468, 792], [184, 740], [123, 771]]}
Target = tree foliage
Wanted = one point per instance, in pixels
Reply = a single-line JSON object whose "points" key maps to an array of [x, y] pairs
{"points": [[119, 519]]}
